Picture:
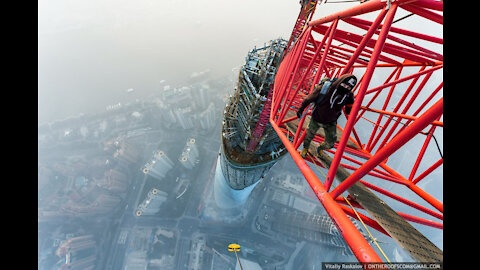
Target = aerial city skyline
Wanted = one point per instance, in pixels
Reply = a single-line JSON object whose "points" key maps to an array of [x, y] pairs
{"points": [[148, 160], [130, 188]]}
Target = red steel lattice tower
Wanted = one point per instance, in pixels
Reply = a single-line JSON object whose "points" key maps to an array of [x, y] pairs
{"points": [[398, 107]]}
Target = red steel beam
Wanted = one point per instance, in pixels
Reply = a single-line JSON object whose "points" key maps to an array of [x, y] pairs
{"points": [[303, 58], [366, 7], [424, 13], [365, 40], [416, 75], [400, 115], [359, 98], [318, 50], [370, 145], [422, 153], [428, 171], [396, 50], [355, 240], [284, 74], [424, 120], [364, 24], [430, 4], [397, 70], [406, 108]]}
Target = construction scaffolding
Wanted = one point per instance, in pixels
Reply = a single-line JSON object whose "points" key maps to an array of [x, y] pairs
{"points": [[399, 92]]}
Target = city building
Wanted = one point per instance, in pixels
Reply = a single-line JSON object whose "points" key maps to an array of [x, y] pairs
{"points": [[197, 250], [158, 166], [93, 204], [247, 264], [177, 96], [151, 204], [309, 227], [189, 157], [137, 245], [288, 199], [166, 113], [200, 96], [136, 260], [249, 146], [207, 118], [114, 180], [125, 152], [185, 117], [78, 253]]}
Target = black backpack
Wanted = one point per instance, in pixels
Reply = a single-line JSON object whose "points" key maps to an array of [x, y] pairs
{"points": [[323, 92]]}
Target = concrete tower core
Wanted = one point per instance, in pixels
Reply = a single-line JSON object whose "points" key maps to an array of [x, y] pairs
{"points": [[250, 146]]}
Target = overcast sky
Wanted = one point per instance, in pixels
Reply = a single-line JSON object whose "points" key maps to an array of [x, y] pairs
{"points": [[91, 51]]}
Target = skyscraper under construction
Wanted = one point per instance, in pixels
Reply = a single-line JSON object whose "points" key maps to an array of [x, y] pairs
{"points": [[250, 146]]}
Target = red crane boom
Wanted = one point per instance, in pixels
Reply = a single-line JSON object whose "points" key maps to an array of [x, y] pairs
{"points": [[398, 103]]}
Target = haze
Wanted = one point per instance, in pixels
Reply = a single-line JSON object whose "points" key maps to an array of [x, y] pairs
{"points": [[91, 52]]}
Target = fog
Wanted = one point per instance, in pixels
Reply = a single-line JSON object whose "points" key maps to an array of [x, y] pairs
{"points": [[95, 55], [90, 52]]}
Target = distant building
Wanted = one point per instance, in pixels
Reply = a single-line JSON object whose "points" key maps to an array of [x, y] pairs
{"points": [[114, 181], [177, 96], [159, 166], [151, 204], [247, 264], [84, 131], [185, 117], [125, 152], [136, 260], [222, 262], [166, 113], [102, 204], [137, 116], [189, 157], [201, 98], [291, 200], [312, 228], [195, 261], [206, 118], [78, 253]]}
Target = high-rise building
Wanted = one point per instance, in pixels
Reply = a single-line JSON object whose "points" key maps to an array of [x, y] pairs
{"points": [[200, 96], [151, 204], [180, 97], [185, 118], [125, 151], [104, 204], [158, 166], [250, 146], [166, 113], [89, 206], [312, 228], [189, 156], [78, 253], [206, 118], [136, 260], [115, 181]]}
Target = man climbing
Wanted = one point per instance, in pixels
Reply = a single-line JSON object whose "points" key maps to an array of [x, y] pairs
{"points": [[329, 102]]}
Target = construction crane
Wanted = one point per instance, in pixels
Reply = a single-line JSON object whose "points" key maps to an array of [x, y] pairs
{"points": [[398, 103]]}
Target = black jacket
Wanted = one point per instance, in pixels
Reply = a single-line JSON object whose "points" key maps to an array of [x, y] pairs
{"points": [[330, 108]]}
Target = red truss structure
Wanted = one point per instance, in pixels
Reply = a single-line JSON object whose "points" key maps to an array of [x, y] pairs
{"points": [[398, 102]]}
